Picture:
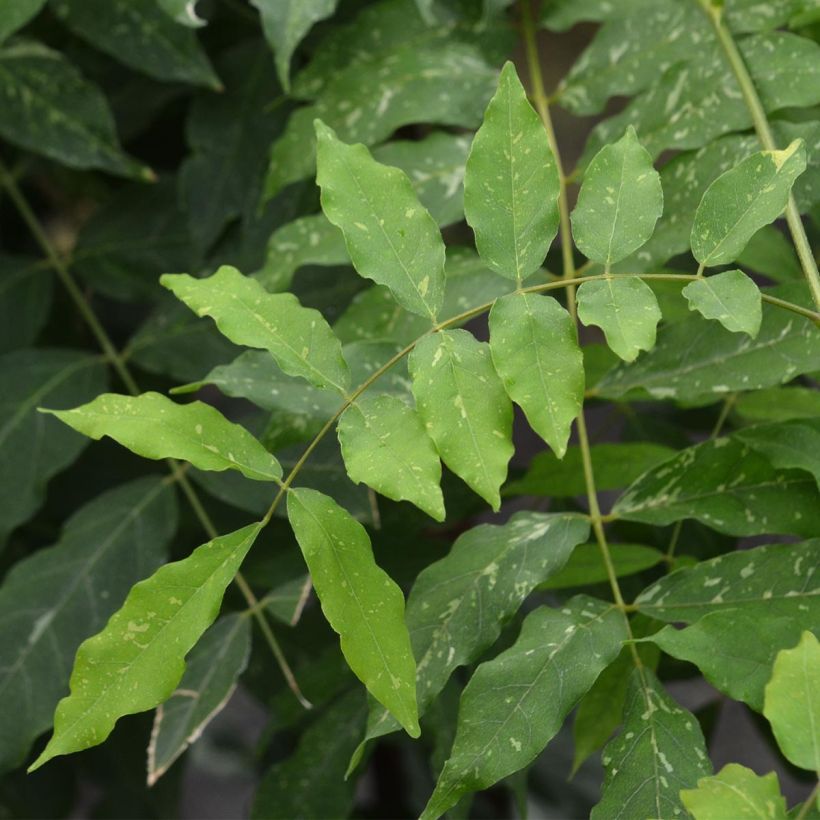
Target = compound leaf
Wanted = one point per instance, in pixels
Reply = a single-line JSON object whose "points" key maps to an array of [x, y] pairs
{"points": [[659, 752], [50, 108], [464, 407], [619, 202], [298, 338], [511, 183], [52, 600], [137, 660], [153, 426], [534, 345], [212, 669], [730, 297], [516, 703], [742, 200], [737, 792], [626, 309], [792, 702], [390, 237], [385, 445], [359, 600]]}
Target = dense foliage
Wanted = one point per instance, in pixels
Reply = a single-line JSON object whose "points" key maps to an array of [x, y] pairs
{"points": [[351, 233]]}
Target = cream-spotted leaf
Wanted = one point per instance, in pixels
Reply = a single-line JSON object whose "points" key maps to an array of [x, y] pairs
{"points": [[298, 338], [153, 426], [137, 660], [736, 792], [534, 345], [659, 751], [511, 183], [390, 236], [464, 407], [516, 703], [792, 702], [626, 309], [385, 445], [359, 600], [730, 297], [619, 202], [742, 200]]}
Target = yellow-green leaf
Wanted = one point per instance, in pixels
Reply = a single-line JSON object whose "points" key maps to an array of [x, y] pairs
{"points": [[738, 793], [730, 297]]}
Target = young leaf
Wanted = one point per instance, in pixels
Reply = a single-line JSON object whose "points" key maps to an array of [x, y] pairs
{"points": [[535, 350], [792, 702], [625, 309], [53, 599], [776, 580], [139, 34], [297, 786], [619, 202], [511, 183], [490, 569], [728, 487], [385, 446], [153, 426], [742, 200], [212, 669], [737, 792], [733, 648], [730, 297], [359, 600], [50, 108], [794, 444], [659, 752], [136, 662], [464, 407], [515, 704], [298, 338], [286, 23], [34, 449], [390, 237]]}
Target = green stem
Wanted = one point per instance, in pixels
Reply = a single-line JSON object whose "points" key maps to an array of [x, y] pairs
{"points": [[806, 808], [118, 363], [766, 137]]}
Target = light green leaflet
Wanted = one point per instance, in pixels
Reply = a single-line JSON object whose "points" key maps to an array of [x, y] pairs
{"points": [[464, 407], [490, 570], [14, 14], [50, 108], [695, 360], [728, 487], [153, 426], [792, 703], [659, 751], [285, 23], [516, 703], [626, 310], [34, 449], [730, 297], [586, 565], [736, 792], [359, 600], [212, 669], [615, 466], [794, 444], [777, 580], [733, 648], [136, 662], [298, 338], [534, 345], [619, 202], [511, 183], [297, 786], [742, 200], [385, 445], [140, 35], [54, 598], [390, 237]]}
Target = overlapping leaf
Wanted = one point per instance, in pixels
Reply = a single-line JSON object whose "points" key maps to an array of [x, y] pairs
{"points": [[736, 791], [136, 662], [730, 297], [794, 444]]}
